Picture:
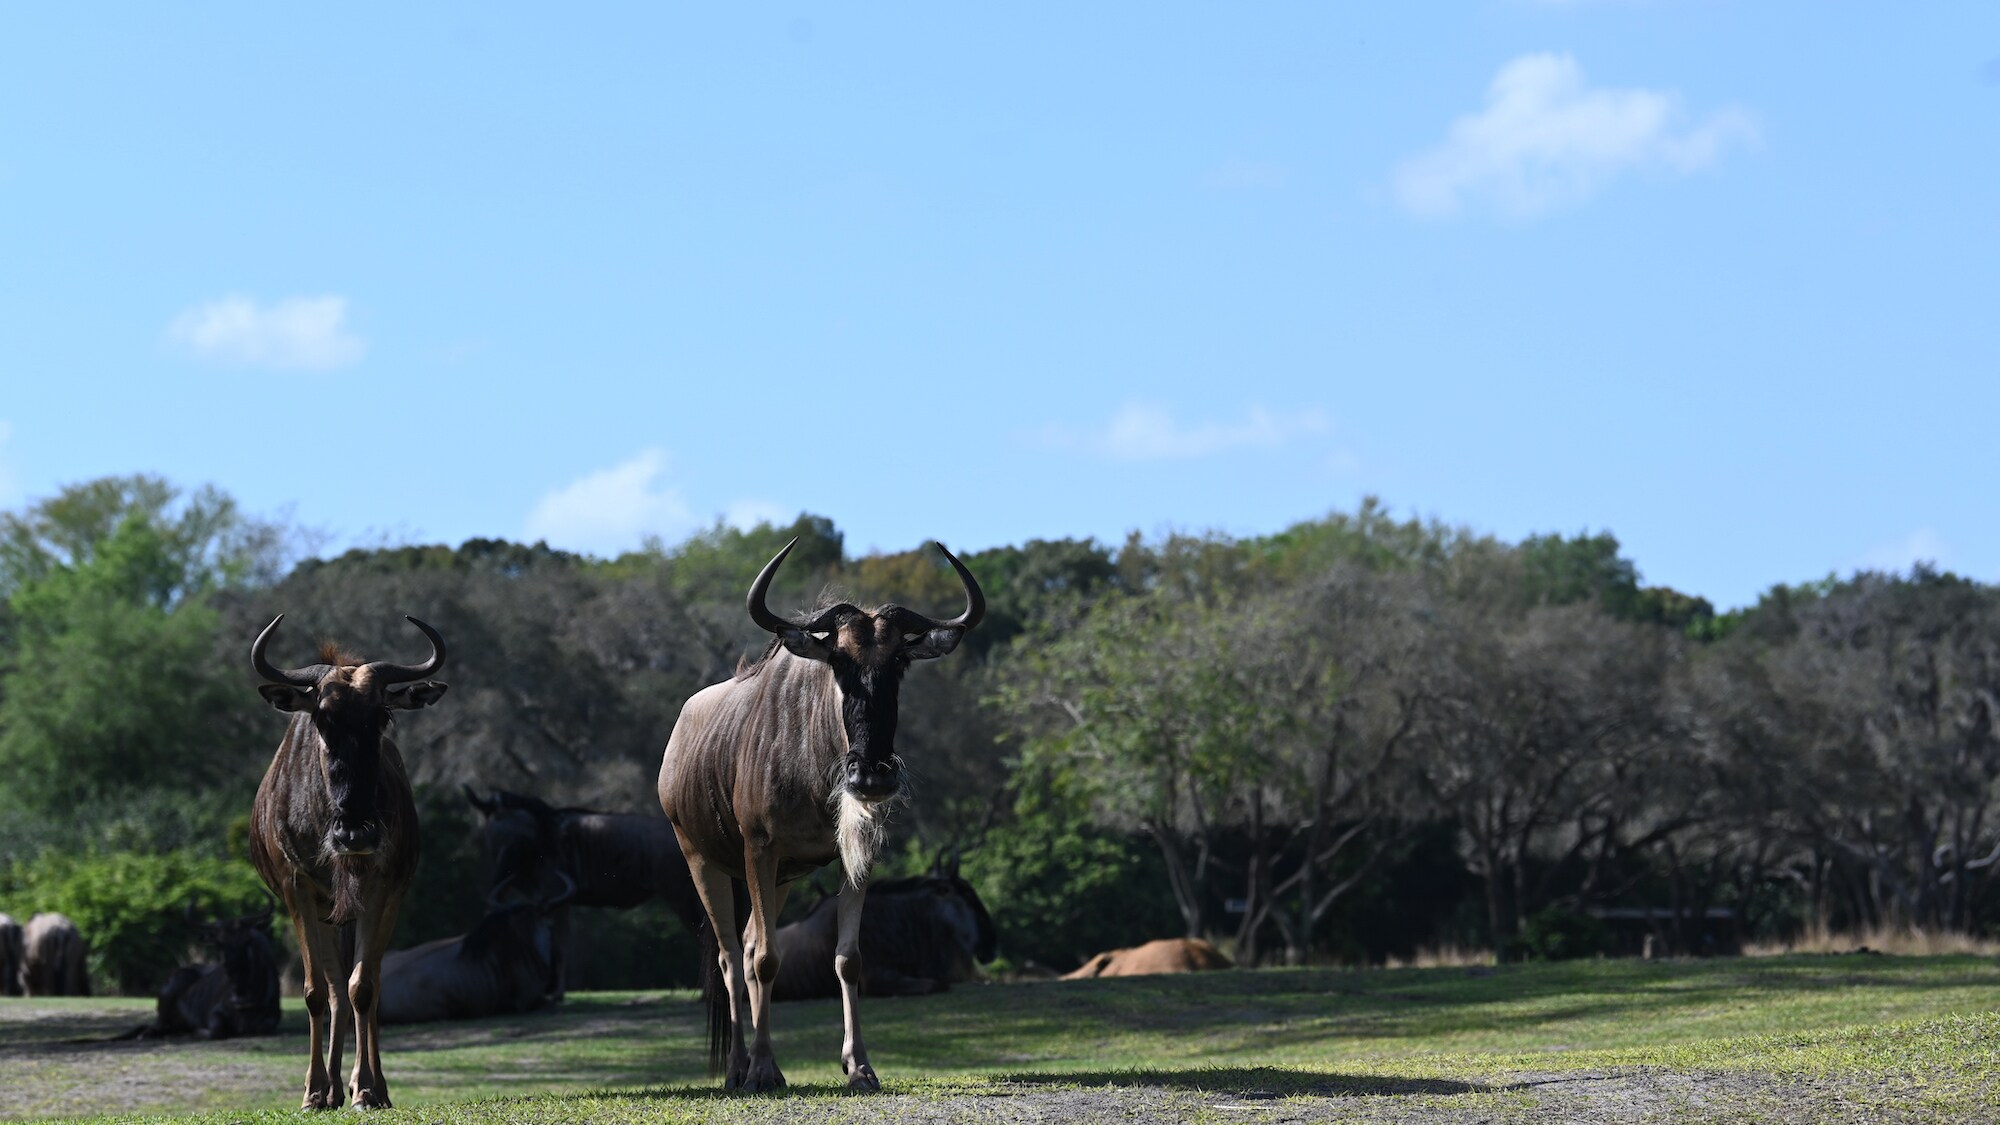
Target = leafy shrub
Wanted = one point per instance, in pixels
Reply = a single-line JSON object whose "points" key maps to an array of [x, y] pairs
{"points": [[1556, 934], [130, 906]]}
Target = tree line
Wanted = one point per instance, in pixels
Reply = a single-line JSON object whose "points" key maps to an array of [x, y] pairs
{"points": [[1354, 737]]}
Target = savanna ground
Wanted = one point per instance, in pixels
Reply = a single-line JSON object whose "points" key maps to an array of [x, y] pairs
{"points": [[1785, 1039]]}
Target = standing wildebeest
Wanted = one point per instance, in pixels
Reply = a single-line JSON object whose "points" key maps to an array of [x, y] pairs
{"points": [[612, 859], [334, 833], [501, 965], [773, 773], [52, 956], [222, 1000], [918, 936], [10, 956]]}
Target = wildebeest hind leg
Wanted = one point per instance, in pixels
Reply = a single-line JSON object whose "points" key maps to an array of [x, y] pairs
{"points": [[719, 899], [847, 966]]}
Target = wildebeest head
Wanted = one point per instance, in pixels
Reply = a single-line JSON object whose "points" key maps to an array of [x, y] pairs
{"points": [[868, 650], [245, 945], [520, 843], [350, 704]]}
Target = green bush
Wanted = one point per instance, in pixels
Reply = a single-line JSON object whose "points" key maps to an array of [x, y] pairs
{"points": [[131, 906], [1556, 934]]}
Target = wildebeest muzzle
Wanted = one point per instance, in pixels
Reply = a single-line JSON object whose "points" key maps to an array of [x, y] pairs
{"points": [[873, 780], [353, 839]]}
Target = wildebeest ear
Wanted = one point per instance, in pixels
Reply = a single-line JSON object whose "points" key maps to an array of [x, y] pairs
{"points": [[413, 697], [801, 643], [285, 697], [936, 643]]}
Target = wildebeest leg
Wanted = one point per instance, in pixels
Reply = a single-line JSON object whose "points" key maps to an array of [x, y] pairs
{"points": [[766, 899], [364, 988], [558, 950], [847, 966], [719, 899], [326, 1004]]}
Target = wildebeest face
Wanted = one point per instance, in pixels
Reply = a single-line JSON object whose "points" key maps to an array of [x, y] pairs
{"points": [[351, 704], [868, 651], [519, 844]]}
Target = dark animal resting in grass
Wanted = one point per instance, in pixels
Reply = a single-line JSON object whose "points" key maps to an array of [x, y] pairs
{"points": [[52, 958], [619, 860], [772, 774], [501, 966], [334, 833], [10, 956], [1167, 955], [236, 996], [918, 936]]}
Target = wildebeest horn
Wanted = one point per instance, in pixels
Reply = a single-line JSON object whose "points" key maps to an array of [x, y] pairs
{"points": [[568, 892], [297, 677], [975, 602], [761, 613], [486, 805], [387, 672]]}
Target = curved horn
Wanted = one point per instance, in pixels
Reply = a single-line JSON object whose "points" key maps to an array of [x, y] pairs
{"points": [[297, 677], [975, 602], [493, 901], [486, 805], [391, 673], [568, 892], [761, 613]]}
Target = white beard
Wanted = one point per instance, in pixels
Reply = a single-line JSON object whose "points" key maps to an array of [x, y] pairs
{"points": [[862, 826]]}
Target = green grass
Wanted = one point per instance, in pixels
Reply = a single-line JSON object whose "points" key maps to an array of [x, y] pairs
{"points": [[1753, 1039]]}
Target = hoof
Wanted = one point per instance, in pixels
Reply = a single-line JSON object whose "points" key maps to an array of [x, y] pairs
{"points": [[861, 1079], [322, 1099], [764, 1077], [369, 1099]]}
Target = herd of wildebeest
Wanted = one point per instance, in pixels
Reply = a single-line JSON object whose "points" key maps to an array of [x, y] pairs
{"points": [[767, 777]]}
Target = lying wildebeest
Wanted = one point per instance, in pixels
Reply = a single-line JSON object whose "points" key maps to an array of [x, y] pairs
{"points": [[10, 956], [610, 859], [52, 958], [334, 833], [223, 1000], [1167, 955], [775, 772], [501, 965], [918, 936]]}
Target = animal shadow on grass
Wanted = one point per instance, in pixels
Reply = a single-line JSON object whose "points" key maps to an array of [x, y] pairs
{"points": [[1255, 1082]]}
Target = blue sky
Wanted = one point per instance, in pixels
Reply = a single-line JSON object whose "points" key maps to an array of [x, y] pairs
{"points": [[1717, 277]]}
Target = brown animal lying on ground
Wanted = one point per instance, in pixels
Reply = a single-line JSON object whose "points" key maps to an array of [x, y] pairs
{"points": [[1167, 955]]}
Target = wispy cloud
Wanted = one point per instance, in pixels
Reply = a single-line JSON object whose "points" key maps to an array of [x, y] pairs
{"points": [[1140, 431], [613, 509], [1547, 138], [746, 514], [295, 334], [1922, 545]]}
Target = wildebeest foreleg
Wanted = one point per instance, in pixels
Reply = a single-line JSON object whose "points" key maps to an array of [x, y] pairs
{"points": [[847, 966], [766, 899], [326, 1000], [364, 989]]}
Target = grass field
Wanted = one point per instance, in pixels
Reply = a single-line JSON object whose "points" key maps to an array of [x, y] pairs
{"points": [[1792, 1039]]}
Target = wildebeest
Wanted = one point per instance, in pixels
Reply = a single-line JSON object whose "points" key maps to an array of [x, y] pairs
{"points": [[1167, 955], [334, 834], [236, 996], [501, 965], [10, 956], [919, 935], [611, 859], [52, 958], [773, 773]]}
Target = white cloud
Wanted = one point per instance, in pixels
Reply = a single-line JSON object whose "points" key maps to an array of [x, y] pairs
{"points": [[1547, 138], [613, 509], [295, 334], [1147, 432], [1922, 545]]}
